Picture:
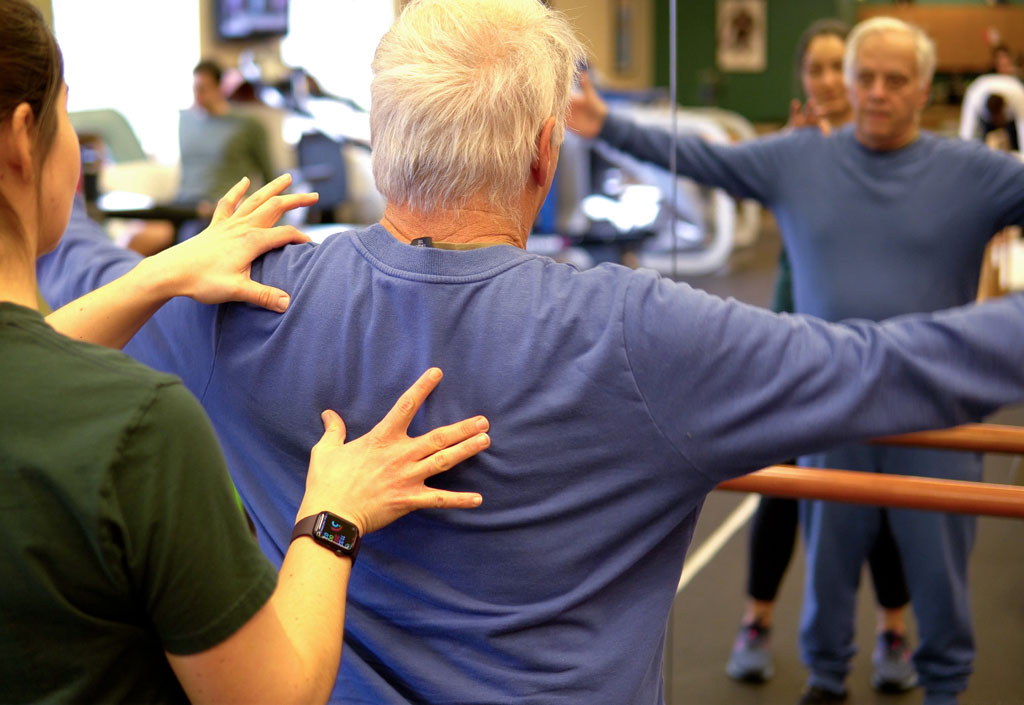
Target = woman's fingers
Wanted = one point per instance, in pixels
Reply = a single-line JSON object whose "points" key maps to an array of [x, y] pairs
{"points": [[271, 210], [262, 240], [266, 206], [398, 419], [451, 455], [229, 201], [440, 461], [269, 203], [264, 194], [334, 428], [446, 436], [267, 297], [442, 499], [442, 447]]}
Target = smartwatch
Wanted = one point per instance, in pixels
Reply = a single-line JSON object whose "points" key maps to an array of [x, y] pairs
{"points": [[331, 532]]}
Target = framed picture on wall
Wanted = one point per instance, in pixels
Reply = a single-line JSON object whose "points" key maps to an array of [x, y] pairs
{"points": [[741, 36]]}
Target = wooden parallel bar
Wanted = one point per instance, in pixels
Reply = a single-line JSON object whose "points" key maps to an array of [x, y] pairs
{"points": [[980, 437], [955, 496]]}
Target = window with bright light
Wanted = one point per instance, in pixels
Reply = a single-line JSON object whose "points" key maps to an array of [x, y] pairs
{"points": [[135, 57], [334, 40]]}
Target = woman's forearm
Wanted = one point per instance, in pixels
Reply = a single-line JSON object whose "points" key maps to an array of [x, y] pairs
{"points": [[112, 314]]}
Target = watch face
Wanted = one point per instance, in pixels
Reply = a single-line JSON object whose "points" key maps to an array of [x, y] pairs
{"points": [[336, 531]]}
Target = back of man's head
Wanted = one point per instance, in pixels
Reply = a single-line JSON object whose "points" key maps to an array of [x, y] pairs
{"points": [[460, 92]]}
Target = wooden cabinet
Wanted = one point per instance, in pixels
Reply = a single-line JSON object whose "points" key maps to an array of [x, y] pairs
{"points": [[959, 31]]}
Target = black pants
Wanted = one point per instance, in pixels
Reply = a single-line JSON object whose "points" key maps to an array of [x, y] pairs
{"points": [[773, 535]]}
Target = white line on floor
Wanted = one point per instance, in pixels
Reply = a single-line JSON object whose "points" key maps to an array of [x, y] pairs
{"points": [[699, 558]]}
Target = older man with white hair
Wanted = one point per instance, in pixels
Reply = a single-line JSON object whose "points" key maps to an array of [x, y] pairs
{"points": [[880, 219], [617, 399]]}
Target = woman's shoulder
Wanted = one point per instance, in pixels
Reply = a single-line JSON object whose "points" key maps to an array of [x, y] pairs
{"points": [[84, 368], [71, 406]]}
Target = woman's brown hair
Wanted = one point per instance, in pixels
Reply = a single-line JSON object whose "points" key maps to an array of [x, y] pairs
{"points": [[32, 72], [819, 28]]}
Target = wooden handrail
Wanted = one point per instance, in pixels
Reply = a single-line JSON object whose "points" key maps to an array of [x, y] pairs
{"points": [[980, 437], [956, 496]]}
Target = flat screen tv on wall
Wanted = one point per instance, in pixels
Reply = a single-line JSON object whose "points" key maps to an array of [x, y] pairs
{"points": [[251, 19]]}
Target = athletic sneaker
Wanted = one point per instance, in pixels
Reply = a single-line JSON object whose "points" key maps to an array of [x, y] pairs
{"points": [[893, 673], [815, 695], [751, 658]]}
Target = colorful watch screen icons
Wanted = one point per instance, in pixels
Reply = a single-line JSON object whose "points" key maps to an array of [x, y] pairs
{"points": [[336, 531]]}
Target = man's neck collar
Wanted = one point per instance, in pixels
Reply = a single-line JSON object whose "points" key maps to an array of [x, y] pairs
{"points": [[465, 229], [891, 147], [429, 242]]}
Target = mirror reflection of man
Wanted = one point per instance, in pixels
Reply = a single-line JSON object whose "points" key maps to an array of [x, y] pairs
{"points": [[881, 218]]}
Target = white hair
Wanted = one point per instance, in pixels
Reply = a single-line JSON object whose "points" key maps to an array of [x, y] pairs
{"points": [[461, 90], [924, 48]]}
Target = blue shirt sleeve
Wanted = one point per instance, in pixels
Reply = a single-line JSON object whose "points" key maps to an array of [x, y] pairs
{"points": [[62, 275], [86, 259], [1000, 181], [747, 170], [751, 387]]}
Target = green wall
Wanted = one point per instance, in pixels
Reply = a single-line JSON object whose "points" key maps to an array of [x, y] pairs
{"points": [[760, 97], [757, 96]]}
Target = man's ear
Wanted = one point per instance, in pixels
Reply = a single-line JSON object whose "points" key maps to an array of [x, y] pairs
{"points": [[16, 142], [541, 166]]}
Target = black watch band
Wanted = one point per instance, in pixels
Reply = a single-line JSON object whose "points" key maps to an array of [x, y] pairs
{"points": [[331, 532]]}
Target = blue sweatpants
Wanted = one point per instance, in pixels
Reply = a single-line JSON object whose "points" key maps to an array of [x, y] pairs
{"points": [[933, 546]]}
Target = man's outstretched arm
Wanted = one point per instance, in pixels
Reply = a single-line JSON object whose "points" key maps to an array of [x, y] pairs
{"points": [[734, 387], [750, 170]]}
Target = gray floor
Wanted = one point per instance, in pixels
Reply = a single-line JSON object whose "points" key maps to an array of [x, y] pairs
{"points": [[706, 613]]}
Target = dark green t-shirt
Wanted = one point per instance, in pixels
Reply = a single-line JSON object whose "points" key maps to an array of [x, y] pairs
{"points": [[119, 537]]}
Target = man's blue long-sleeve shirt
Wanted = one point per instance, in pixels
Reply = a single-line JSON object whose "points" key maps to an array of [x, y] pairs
{"points": [[617, 401], [869, 234]]}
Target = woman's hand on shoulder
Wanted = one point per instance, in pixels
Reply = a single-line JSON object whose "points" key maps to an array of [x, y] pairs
{"points": [[807, 115], [214, 266]]}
